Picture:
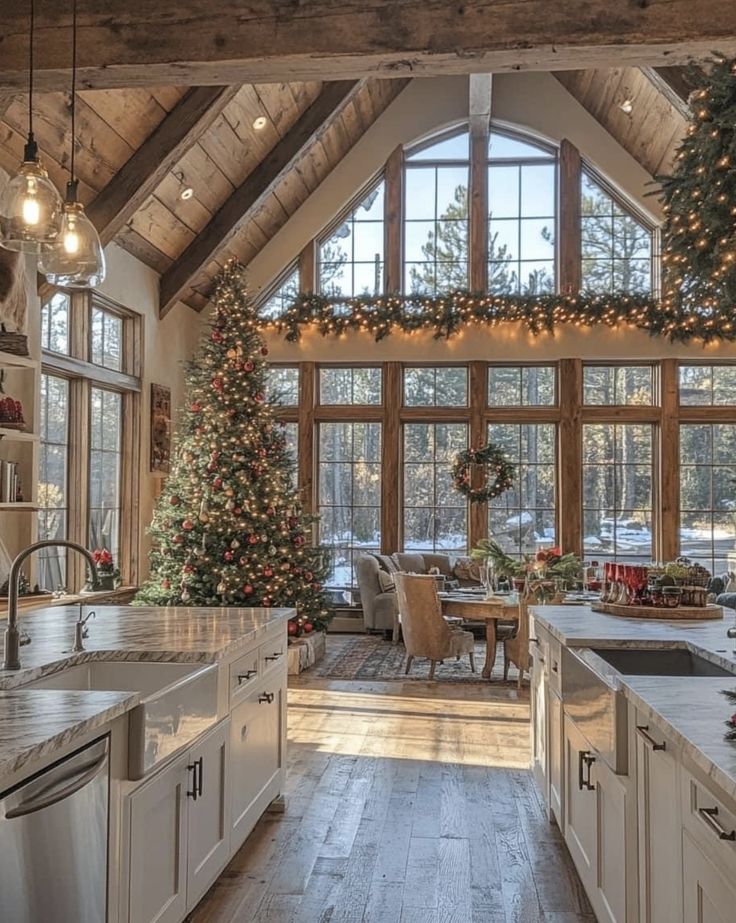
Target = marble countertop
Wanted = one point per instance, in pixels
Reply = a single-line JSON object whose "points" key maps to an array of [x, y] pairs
{"points": [[36, 722], [691, 710]]}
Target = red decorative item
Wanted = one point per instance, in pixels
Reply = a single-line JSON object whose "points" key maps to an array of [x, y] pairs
{"points": [[11, 413], [308, 627], [217, 483], [248, 588], [266, 602], [217, 384], [166, 584], [187, 525], [299, 540], [252, 539], [174, 500], [292, 628], [249, 366], [264, 350], [259, 397], [216, 336], [268, 572], [196, 407], [188, 569], [229, 555], [178, 539]]}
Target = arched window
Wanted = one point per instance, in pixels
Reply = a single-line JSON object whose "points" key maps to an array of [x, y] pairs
{"points": [[522, 205], [616, 244], [351, 253], [436, 215], [280, 295]]}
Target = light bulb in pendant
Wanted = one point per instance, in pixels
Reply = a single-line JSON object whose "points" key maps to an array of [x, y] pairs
{"points": [[77, 259], [30, 207]]}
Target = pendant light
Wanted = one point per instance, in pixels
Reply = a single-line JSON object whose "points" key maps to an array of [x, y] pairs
{"points": [[76, 259], [30, 206]]}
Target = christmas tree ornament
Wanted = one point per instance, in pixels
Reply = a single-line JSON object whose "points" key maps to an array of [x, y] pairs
{"points": [[221, 588]]}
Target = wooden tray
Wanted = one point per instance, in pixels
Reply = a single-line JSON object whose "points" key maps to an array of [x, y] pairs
{"points": [[691, 613]]}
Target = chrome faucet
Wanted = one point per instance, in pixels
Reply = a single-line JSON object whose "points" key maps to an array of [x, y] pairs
{"points": [[80, 630], [12, 634]]}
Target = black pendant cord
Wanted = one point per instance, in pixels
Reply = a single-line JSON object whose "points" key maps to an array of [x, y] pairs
{"points": [[74, 87], [30, 71]]}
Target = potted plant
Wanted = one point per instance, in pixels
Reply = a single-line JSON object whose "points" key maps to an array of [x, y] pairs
{"points": [[108, 576]]}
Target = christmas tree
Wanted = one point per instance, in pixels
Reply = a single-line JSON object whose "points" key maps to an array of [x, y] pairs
{"points": [[699, 236], [229, 528]]}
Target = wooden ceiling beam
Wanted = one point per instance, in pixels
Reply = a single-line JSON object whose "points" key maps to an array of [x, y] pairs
{"points": [[673, 84], [251, 193], [158, 155], [185, 42]]}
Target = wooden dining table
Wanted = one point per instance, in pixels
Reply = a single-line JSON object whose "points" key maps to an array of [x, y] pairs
{"points": [[476, 609]]}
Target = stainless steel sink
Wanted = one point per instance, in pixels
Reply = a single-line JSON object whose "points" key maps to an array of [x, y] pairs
{"points": [[179, 702], [659, 662]]}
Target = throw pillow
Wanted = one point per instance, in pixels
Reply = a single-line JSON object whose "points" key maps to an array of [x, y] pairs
{"points": [[467, 569], [386, 581], [385, 562]]}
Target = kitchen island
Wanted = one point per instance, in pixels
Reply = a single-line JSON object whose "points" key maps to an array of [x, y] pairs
{"points": [[628, 724], [188, 708]]}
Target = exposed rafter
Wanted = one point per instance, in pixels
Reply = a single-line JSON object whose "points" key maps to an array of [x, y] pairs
{"points": [[224, 41], [673, 84], [158, 154], [251, 193]]}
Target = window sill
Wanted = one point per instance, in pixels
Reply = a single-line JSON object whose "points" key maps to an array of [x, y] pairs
{"points": [[27, 604]]}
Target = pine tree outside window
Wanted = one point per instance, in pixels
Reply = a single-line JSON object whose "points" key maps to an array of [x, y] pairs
{"points": [[351, 259]]}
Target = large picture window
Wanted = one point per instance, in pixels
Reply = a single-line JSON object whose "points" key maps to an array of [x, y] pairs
{"points": [[436, 216], [522, 205], [349, 495], [53, 480], [618, 491], [435, 514]]}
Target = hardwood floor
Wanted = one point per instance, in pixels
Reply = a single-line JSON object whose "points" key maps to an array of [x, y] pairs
{"points": [[406, 803]]}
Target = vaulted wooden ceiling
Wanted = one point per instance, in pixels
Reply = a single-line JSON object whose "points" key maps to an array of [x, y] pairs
{"points": [[139, 148]]}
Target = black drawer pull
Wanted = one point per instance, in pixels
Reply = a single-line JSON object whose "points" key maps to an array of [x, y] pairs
{"points": [[266, 698], [196, 769], [585, 759], [710, 815], [274, 656], [642, 731], [249, 674]]}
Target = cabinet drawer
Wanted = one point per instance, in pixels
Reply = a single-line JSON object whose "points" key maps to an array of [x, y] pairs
{"points": [[710, 821], [554, 667], [271, 653], [244, 672]]}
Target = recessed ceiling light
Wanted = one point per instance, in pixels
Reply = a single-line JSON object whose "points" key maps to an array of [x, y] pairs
{"points": [[260, 123], [627, 106], [186, 193]]}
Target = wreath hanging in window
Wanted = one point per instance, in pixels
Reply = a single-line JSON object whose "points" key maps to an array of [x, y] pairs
{"points": [[497, 469]]}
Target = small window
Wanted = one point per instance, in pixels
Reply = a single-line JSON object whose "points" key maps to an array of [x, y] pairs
{"points": [[351, 258], [616, 247], [707, 384], [53, 496], [614, 384], [436, 387], [105, 464], [283, 385], [350, 386], [278, 301], [55, 323], [521, 386], [106, 338]]}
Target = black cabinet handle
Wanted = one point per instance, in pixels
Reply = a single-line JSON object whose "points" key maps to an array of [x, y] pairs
{"points": [[710, 816], [193, 793], [642, 730], [585, 759], [274, 656], [200, 776], [244, 677], [266, 698]]}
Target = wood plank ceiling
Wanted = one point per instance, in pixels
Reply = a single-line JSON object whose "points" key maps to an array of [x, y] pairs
{"points": [[205, 138]]}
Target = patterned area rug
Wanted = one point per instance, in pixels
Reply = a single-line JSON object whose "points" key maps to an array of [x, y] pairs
{"points": [[370, 657]]}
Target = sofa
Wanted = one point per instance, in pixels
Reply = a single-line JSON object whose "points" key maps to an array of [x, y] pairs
{"points": [[377, 594]]}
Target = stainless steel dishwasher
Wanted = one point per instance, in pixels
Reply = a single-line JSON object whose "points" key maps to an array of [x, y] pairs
{"points": [[53, 842]]}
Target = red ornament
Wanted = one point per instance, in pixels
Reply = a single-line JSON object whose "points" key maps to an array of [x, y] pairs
{"points": [[264, 350], [268, 572], [174, 500], [270, 511], [267, 601], [316, 587], [187, 525], [188, 569], [249, 365], [308, 627], [252, 539], [259, 397], [237, 511], [217, 384], [229, 555], [248, 588], [308, 575], [196, 406], [292, 628], [299, 540], [178, 539], [217, 483], [166, 583], [293, 522], [216, 336]]}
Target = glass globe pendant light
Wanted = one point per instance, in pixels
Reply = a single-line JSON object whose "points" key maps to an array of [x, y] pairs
{"points": [[76, 259], [30, 206]]}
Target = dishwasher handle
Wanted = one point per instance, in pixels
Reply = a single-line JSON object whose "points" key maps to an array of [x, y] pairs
{"points": [[77, 779]]}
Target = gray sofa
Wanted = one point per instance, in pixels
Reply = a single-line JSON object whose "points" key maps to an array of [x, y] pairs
{"points": [[380, 606]]}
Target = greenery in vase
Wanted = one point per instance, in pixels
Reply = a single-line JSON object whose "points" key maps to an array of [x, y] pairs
{"points": [[546, 563]]}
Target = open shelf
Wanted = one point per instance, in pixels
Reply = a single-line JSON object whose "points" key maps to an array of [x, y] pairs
{"points": [[17, 435], [8, 360]]}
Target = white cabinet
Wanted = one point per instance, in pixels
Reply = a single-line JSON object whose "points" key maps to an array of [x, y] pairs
{"points": [[555, 766], [708, 895], [659, 827], [538, 701], [158, 832], [581, 826], [256, 753], [208, 829], [179, 836]]}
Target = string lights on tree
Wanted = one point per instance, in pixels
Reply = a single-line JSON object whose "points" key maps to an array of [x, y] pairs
{"points": [[229, 528]]}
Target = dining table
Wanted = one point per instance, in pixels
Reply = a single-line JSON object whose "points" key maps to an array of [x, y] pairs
{"points": [[474, 607]]}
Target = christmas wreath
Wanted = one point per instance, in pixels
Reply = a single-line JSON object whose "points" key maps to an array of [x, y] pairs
{"points": [[499, 473]]}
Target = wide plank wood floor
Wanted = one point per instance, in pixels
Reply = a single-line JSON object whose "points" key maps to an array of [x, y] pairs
{"points": [[406, 803]]}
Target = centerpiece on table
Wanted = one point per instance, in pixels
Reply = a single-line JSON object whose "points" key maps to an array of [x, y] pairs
{"points": [[543, 574]]}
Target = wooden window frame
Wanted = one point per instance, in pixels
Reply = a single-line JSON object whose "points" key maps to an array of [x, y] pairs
{"points": [[83, 375]]}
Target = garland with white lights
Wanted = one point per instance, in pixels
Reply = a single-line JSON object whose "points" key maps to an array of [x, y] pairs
{"points": [[446, 315]]}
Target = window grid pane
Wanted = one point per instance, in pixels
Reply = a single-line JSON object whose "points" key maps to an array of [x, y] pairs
{"points": [[350, 386], [617, 491], [55, 323], [282, 298], [523, 519], [522, 386], [106, 339], [618, 385], [283, 385], [435, 514], [105, 462], [436, 387], [349, 497], [707, 385], [351, 259], [53, 498], [707, 507]]}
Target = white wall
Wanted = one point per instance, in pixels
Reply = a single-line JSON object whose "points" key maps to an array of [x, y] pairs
{"points": [[534, 101], [167, 344]]}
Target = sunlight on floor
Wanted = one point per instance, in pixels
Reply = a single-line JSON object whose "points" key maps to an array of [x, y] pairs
{"points": [[435, 727]]}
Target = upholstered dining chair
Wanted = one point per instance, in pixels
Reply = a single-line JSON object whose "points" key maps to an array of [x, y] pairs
{"points": [[516, 648], [425, 631]]}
